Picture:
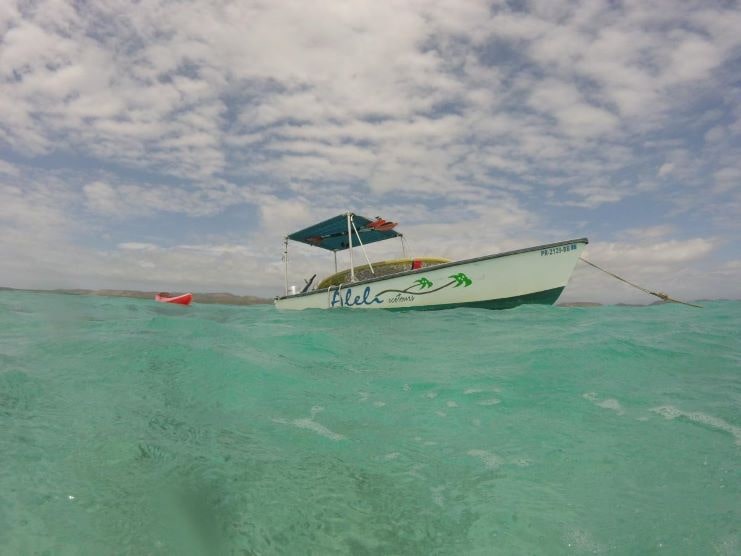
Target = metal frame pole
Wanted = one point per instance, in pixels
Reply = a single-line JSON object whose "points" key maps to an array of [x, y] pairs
{"points": [[349, 245], [285, 259], [362, 247]]}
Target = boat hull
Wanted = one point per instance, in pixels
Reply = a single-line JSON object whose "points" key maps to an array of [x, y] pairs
{"points": [[184, 299], [502, 281]]}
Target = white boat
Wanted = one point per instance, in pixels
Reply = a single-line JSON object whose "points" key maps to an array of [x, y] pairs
{"points": [[500, 281]]}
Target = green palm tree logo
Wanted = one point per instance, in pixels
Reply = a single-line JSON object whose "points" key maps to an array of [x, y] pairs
{"points": [[461, 278], [423, 283]]}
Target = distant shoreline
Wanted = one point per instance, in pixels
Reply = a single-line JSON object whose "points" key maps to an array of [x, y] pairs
{"points": [[223, 298], [212, 298]]}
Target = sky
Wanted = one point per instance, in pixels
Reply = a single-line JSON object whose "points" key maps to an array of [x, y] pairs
{"points": [[166, 145]]}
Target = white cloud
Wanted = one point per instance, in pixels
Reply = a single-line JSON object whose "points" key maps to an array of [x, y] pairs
{"points": [[103, 198], [35, 209], [715, 134], [8, 168], [653, 253], [584, 120], [135, 246], [473, 111], [174, 89], [665, 169], [728, 178], [678, 267], [130, 200], [693, 59], [660, 231]]}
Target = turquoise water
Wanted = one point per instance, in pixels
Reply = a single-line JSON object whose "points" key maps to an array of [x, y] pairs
{"points": [[130, 427]]}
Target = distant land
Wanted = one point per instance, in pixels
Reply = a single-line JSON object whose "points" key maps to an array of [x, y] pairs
{"points": [[217, 298], [595, 304], [224, 298]]}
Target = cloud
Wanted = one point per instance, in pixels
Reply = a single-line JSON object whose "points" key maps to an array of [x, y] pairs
{"points": [[135, 246], [101, 197], [8, 169], [693, 59], [680, 268], [665, 169], [174, 89], [531, 118], [38, 209], [653, 253], [660, 231], [134, 200], [728, 178]]}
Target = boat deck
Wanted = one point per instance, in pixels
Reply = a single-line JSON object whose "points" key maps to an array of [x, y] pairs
{"points": [[381, 268]]}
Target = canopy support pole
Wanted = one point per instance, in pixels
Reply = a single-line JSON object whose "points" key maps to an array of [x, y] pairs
{"points": [[335, 261], [349, 245], [403, 246], [360, 241], [285, 260]]}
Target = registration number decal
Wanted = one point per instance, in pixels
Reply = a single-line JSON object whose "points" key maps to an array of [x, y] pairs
{"points": [[558, 250]]}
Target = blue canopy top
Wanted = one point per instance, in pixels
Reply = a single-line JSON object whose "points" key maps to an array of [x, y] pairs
{"points": [[332, 234]]}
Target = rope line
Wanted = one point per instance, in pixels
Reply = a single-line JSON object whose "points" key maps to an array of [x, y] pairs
{"points": [[660, 295], [404, 246]]}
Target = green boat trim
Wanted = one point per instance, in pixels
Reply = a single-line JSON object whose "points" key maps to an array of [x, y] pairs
{"points": [[547, 297]]}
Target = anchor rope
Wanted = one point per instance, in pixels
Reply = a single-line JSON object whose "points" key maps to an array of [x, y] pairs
{"points": [[660, 295]]}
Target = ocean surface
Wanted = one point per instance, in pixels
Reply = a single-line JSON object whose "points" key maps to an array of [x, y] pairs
{"points": [[131, 427]]}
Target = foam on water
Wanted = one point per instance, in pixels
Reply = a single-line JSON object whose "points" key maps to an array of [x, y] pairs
{"points": [[490, 459], [131, 428], [670, 412], [609, 403]]}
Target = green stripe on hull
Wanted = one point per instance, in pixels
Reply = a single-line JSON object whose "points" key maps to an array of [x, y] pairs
{"points": [[546, 297]]}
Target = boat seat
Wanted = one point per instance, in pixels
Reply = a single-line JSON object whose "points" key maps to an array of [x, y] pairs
{"points": [[381, 268]]}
